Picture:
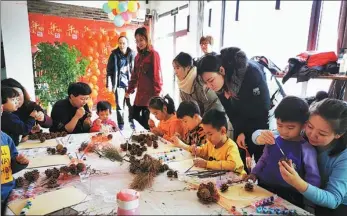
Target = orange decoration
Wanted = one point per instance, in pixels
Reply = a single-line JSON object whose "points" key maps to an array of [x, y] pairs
{"points": [[114, 42], [96, 55], [94, 79], [94, 43], [102, 45], [98, 36], [96, 88], [123, 34], [93, 66], [97, 72], [94, 94], [91, 85], [90, 50], [96, 61], [90, 58], [106, 38], [88, 34], [114, 11]]}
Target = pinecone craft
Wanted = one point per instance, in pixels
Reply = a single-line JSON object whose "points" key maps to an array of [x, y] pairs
{"points": [[36, 174], [175, 174], [53, 151], [80, 167], [155, 145], [207, 193], [170, 173], [52, 183], [59, 147], [109, 137], [31, 176], [49, 150], [284, 159], [42, 139], [55, 173], [204, 195], [63, 151], [64, 169], [73, 169], [249, 186], [36, 128], [224, 187], [139, 153], [53, 135], [20, 181], [48, 173]]}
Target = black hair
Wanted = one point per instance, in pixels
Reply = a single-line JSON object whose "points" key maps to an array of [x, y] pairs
{"points": [[184, 59], [292, 109], [335, 113], [10, 82], [7, 92], [321, 95], [79, 88], [209, 63], [215, 118], [158, 103], [188, 108], [103, 106]]}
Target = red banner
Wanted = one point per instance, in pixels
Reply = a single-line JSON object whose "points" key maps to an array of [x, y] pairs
{"points": [[95, 40]]}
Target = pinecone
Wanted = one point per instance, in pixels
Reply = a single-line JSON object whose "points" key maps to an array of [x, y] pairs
{"points": [[109, 137], [53, 135], [210, 186], [284, 159], [155, 145], [20, 181], [249, 186], [64, 169], [53, 151], [63, 151], [36, 128], [139, 153], [170, 173], [49, 150], [36, 174], [42, 139], [73, 169], [204, 195], [133, 169], [64, 133], [149, 142], [55, 173], [48, 173], [132, 158], [175, 174], [224, 187], [52, 183], [80, 167], [59, 147], [133, 152], [58, 134], [29, 176]]}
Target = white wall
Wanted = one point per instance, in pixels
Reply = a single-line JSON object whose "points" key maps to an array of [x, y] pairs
{"points": [[16, 40]]}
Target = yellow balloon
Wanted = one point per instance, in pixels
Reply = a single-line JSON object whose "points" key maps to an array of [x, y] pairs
{"points": [[132, 6], [113, 4]]}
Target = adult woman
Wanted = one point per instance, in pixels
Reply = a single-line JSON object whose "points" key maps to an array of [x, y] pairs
{"points": [[326, 130], [146, 77], [241, 87], [26, 106], [190, 88]]}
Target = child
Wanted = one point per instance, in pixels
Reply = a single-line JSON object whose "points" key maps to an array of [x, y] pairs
{"points": [[189, 113], [11, 123], [291, 114], [103, 109], [219, 152], [164, 110], [11, 163]]}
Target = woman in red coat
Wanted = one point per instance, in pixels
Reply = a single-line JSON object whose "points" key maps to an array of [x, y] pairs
{"points": [[146, 77]]}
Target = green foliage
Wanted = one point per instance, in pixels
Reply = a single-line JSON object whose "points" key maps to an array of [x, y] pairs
{"points": [[58, 65]]}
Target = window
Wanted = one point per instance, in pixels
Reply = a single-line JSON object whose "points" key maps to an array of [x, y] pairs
{"points": [[181, 19], [212, 22]]}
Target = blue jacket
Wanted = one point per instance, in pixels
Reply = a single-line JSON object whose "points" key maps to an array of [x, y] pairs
{"points": [[9, 165]]}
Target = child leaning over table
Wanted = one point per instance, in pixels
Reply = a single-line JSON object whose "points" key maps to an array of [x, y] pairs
{"points": [[11, 163], [189, 113], [219, 152], [103, 109]]}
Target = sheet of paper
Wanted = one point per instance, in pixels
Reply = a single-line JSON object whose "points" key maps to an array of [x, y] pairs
{"points": [[49, 160], [50, 202], [37, 144], [184, 165]]}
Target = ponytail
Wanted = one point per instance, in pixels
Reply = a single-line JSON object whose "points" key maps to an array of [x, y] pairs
{"points": [[158, 103]]}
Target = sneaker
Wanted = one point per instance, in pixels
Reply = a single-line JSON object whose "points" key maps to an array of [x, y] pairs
{"points": [[132, 125], [121, 126]]}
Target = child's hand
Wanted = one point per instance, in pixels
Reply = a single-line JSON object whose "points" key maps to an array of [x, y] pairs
{"points": [[266, 137], [176, 141], [80, 112], [98, 122], [33, 114], [157, 131], [200, 163], [24, 139], [251, 177], [21, 159], [151, 123], [40, 116], [195, 150]]}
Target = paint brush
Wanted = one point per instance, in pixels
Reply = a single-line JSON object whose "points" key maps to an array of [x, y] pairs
{"points": [[280, 148]]}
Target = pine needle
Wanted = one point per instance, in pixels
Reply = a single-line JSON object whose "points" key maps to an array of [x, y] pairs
{"points": [[111, 153], [142, 181]]}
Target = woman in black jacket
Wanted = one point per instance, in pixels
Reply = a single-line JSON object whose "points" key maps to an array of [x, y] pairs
{"points": [[242, 89]]}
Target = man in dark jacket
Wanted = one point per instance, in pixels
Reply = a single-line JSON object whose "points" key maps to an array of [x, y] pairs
{"points": [[119, 67]]}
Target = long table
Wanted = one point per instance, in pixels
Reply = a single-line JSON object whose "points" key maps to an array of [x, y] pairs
{"points": [[165, 197]]}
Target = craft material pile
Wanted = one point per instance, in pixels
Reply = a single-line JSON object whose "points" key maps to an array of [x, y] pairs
{"points": [[207, 193], [45, 136], [59, 149]]}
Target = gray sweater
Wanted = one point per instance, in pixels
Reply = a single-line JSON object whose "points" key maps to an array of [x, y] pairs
{"points": [[206, 98]]}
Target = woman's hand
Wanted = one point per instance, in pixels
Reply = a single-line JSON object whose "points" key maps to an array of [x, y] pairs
{"points": [[40, 116], [266, 137], [241, 140], [290, 176], [251, 177]]}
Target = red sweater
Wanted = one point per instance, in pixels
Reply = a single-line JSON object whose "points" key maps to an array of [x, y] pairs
{"points": [[146, 77]]}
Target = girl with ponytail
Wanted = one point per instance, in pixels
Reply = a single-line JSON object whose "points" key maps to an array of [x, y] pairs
{"points": [[326, 130], [163, 108]]}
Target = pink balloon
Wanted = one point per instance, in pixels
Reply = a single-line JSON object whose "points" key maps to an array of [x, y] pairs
{"points": [[126, 16]]}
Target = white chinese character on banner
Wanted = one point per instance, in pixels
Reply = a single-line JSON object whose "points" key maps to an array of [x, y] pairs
{"points": [[39, 34], [74, 36], [57, 35]]}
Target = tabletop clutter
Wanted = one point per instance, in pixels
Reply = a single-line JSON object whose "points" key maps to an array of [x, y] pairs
{"points": [[147, 156]]}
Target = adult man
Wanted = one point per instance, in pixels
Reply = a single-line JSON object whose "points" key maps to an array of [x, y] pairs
{"points": [[72, 114], [119, 66]]}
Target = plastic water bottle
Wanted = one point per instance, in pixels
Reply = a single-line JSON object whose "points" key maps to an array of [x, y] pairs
{"points": [[343, 65], [128, 202]]}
